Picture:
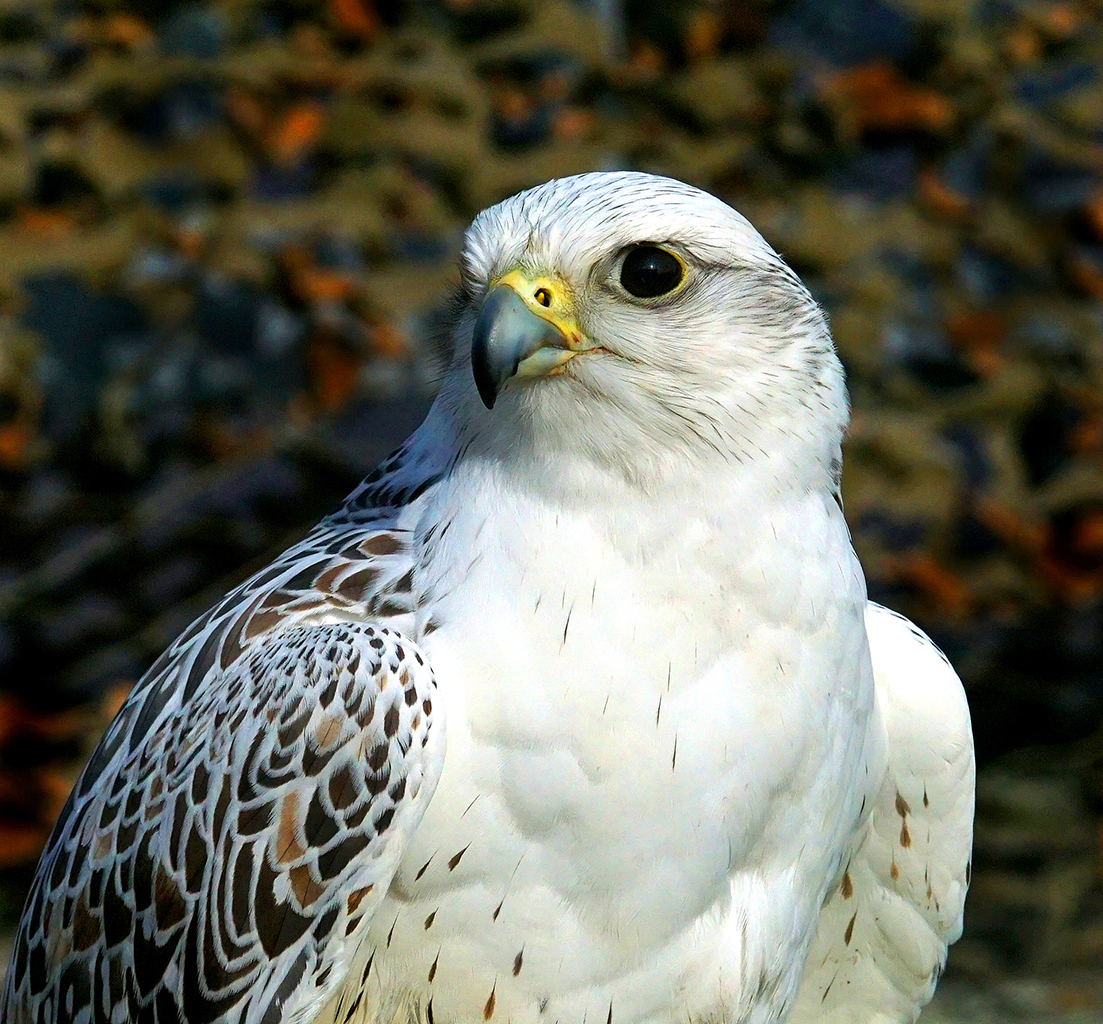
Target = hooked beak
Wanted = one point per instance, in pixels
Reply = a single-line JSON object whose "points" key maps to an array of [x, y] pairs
{"points": [[524, 329]]}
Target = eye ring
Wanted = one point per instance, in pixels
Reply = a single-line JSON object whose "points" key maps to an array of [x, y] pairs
{"points": [[648, 271]]}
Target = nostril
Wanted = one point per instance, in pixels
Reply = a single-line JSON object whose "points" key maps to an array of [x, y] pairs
{"points": [[543, 296]]}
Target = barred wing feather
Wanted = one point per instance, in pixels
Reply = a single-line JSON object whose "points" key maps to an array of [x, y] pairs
{"points": [[224, 868]]}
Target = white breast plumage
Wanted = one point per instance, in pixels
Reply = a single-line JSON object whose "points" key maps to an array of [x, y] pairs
{"points": [[568, 715]]}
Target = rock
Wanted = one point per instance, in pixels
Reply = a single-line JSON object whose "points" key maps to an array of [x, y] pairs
{"points": [[846, 33], [195, 30]]}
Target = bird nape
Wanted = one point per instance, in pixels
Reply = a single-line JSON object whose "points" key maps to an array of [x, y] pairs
{"points": [[576, 710]]}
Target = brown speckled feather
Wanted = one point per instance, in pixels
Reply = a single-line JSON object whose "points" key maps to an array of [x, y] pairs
{"points": [[242, 818]]}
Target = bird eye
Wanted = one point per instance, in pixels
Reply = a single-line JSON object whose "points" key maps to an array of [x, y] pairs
{"points": [[648, 272]]}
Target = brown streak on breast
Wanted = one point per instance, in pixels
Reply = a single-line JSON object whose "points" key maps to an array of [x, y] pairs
{"points": [[357, 584], [276, 599], [261, 622], [288, 847], [86, 929], [356, 897], [59, 944], [303, 886], [235, 635], [231, 644], [328, 731], [380, 544], [311, 601], [167, 900], [328, 578], [388, 608]]}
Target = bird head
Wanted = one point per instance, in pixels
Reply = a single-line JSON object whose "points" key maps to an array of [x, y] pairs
{"points": [[642, 323]]}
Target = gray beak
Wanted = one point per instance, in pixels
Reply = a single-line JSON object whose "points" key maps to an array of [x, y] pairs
{"points": [[508, 334]]}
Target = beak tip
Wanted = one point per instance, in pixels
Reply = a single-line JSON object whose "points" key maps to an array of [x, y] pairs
{"points": [[488, 395], [505, 333], [488, 377]]}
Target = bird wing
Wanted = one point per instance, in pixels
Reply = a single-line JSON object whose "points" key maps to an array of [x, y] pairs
{"points": [[225, 848], [226, 869], [881, 941]]}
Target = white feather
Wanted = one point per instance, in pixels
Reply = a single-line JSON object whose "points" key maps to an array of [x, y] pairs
{"points": [[881, 942], [665, 737]]}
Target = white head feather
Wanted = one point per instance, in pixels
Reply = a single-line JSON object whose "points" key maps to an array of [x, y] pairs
{"points": [[736, 366]]}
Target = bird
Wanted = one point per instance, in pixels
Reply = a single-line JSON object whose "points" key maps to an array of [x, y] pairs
{"points": [[576, 711]]}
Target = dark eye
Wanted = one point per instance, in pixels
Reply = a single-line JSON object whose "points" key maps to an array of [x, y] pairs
{"points": [[648, 271]]}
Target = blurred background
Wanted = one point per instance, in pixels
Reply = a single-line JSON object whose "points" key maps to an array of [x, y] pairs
{"points": [[227, 236]]}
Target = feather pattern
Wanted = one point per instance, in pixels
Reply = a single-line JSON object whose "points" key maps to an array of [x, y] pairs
{"points": [[223, 851], [691, 775]]}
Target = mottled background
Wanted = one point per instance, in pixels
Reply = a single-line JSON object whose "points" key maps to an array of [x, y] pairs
{"points": [[227, 232]]}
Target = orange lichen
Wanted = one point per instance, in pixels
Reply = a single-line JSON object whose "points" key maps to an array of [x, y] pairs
{"points": [[877, 97]]}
